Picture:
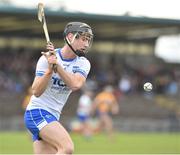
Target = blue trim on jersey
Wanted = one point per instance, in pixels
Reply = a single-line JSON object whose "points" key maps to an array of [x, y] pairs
{"points": [[39, 74], [36, 119], [68, 60], [81, 72]]}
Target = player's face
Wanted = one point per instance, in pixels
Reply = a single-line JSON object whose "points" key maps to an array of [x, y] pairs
{"points": [[83, 42]]}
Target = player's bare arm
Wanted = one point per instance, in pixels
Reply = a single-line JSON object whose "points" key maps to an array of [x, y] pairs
{"points": [[40, 83], [73, 80]]}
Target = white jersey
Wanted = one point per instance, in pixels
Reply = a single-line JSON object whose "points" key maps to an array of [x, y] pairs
{"points": [[84, 105], [57, 92]]}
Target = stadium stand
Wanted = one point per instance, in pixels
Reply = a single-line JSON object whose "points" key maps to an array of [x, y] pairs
{"points": [[115, 54]]}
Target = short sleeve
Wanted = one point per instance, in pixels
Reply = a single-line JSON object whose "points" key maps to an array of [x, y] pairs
{"points": [[83, 67], [41, 66]]}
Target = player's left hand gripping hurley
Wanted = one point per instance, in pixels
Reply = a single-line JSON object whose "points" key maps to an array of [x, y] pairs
{"points": [[42, 19]]}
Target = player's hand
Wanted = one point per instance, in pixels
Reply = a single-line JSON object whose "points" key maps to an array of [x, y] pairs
{"points": [[51, 58], [50, 46]]}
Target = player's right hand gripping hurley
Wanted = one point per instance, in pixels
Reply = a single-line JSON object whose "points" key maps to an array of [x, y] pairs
{"points": [[51, 50]]}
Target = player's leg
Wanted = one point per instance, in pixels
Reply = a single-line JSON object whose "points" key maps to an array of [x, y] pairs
{"points": [[87, 130], [85, 125], [101, 121], [42, 147], [44, 126], [107, 122], [55, 134]]}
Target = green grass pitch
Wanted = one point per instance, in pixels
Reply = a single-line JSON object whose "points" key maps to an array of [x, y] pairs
{"points": [[131, 143]]}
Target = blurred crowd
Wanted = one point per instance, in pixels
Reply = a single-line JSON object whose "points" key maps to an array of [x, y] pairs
{"points": [[17, 68], [129, 79]]}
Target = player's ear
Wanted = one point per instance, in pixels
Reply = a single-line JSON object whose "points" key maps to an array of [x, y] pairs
{"points": [[70, 36]]}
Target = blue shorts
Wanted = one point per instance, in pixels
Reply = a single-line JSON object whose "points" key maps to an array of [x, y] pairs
{"points": [[36, 119], [83, 118]]}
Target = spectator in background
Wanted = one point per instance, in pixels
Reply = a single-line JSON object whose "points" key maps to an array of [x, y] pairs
{"points": [[105, 104], [83, 112], [125, 84]]}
